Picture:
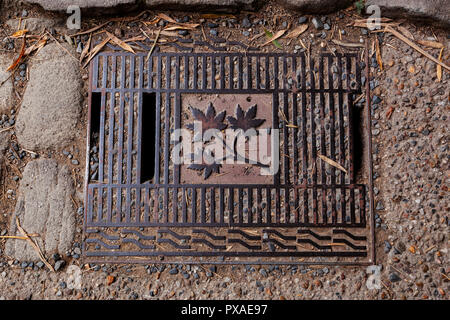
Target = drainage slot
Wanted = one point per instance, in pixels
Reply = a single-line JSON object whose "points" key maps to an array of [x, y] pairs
{"points": [[358, 139], [96, 105], [148, 136]]}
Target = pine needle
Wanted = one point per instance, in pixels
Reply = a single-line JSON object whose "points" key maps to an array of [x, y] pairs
{"points": [[34, 245]]}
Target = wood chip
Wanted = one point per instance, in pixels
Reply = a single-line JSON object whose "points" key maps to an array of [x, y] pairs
{"points": [[332, 163]]}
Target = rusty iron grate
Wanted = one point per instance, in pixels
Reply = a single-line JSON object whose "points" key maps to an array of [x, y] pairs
{"points": [[141, 207]]}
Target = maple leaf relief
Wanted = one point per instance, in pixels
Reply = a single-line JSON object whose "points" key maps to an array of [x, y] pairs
{"points": [[209, 120], [245, 120]]}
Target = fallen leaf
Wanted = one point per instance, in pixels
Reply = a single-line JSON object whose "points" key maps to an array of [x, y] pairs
{"points": [[332, 163], [273, 38], [431, 44], [19, 33], [120, 43], [166, 17], [412, 69], [438, 67], [110, 280], [297, 31], [378, 52], [412, 249], [17, 61]]}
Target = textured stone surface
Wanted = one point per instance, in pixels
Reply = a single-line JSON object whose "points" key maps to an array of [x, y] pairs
{"points": [[62, 5], [203, 4], [316, 6], [51, 104], [4, 142], [34, 25], [6, 90], [437, 11], [44, 207]]}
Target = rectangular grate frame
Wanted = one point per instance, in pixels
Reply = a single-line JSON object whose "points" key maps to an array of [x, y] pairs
{"points": [[311, 213]]}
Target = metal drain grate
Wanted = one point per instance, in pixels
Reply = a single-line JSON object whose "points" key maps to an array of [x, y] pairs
{"points": [[308, 212]]}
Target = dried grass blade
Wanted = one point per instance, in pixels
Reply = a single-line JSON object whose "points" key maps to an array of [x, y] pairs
{"points": [[96, 50], [438, 67], [415, 46], [120, 43], [332, 163], [34, 245], [431, 44], [348, 44]]}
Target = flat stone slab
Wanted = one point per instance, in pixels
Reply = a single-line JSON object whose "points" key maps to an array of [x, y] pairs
{"points": [[435, 11], [34, 25], [316, 6], [44, 207], [52, 101], [203, 4], [6, 90], [62, 5]]}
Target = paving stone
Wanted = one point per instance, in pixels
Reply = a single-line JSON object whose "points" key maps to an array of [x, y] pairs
{"points": [[34, 25], [6, 90], [204, 4], [316, 6], [44, 207], [52, 101], [435, 11], [62, 5]]}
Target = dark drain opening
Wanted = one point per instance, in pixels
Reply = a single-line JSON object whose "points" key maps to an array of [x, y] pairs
{"points": [[96, 105], [358, 139], [148, 136]]}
